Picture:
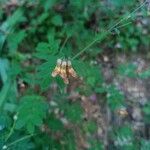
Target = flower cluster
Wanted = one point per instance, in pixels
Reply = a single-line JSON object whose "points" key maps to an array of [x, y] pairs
{"points": [[64, 69]]}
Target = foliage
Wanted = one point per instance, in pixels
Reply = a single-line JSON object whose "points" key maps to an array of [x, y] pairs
{"points": [[41, 112]]}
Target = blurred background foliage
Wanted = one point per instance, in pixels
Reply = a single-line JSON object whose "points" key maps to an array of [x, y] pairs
{"points": [[107, 107]]}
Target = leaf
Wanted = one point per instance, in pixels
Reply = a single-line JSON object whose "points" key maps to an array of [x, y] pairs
{"points": [[69, 140], [124, 137], [48, 4], [73, 112], [10, 107], [115, 98], [23, 145], [92, 75], [4, 67], [8, 25], [14, 39], [95, 145], [57, 20], [90, 126], [32, 111], [12, 20], [5, 121], [4, 92], [42, 46], [145, 74], [128, 70], [55, 124], [146, 111], [44, 72]]}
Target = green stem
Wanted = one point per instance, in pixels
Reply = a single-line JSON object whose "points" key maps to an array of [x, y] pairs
{"points": [[64, 43], [126, 17], [84, 49], [123, 25], [21, 139], [109, 30], [11, 131]]}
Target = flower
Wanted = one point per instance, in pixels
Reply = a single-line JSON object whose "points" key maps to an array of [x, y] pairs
{"points": [[57, 68], [65, 70]]}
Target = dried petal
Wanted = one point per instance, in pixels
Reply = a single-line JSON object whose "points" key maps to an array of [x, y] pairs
{"points": [[70, 70], [56, 71], [57, 68]]}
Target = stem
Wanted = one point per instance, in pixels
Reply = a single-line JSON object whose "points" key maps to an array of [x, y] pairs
{"points": [[127, 17], [64, 43], [84, 49], [21, 139], [110, 29], [123, 25], [11, 131]]}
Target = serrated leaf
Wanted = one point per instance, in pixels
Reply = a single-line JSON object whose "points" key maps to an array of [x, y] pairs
{"points": [[32, 111], [92, 75]]}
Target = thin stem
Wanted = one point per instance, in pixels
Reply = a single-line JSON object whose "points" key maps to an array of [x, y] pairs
{"points": [[12, 128], [21, 139], [84, 49], [126, 17], [123, 25], [110, 29], [64, 43], [11, 131]]}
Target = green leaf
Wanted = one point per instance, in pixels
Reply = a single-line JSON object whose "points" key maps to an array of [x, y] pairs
{"points": [[8, 25], [146, 111], [92, 75], [90, 126], [4, 67], [5, 121], [10, 107], [32, 111], [73, 112], [44, 49], [44, 72], [14, 39], [145, 74], [48, 4], [42, 46], [4, 92], [115, 98], [124, 138], [128, 70], [55, 124], [69, 140], [95, 145], [57, 20], [12, 20]]}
